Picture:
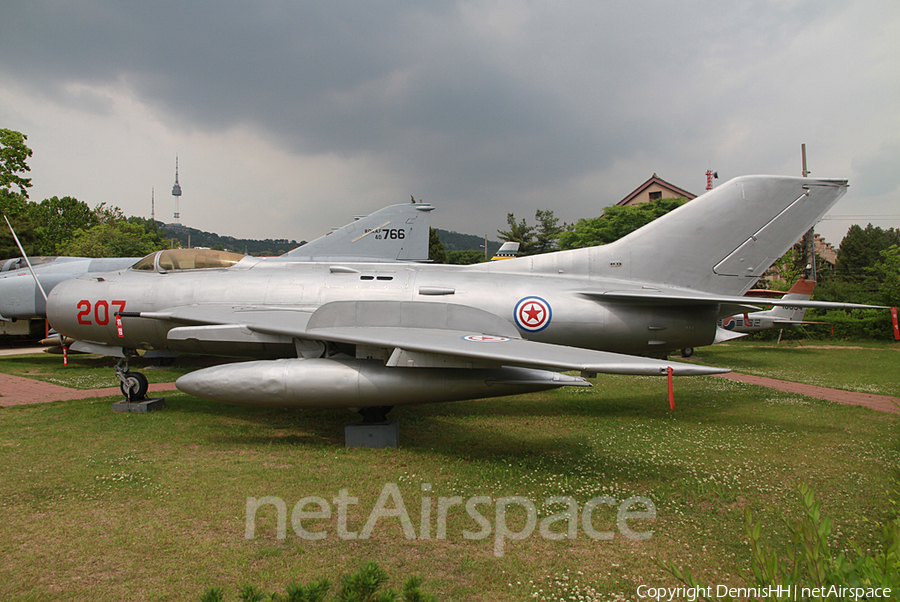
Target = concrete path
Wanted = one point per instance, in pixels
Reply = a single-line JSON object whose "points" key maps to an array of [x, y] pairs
{"points": [[882, 403], [16, 390]]}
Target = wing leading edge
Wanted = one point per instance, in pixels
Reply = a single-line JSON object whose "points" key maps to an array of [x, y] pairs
{"points": [[411, 334]]}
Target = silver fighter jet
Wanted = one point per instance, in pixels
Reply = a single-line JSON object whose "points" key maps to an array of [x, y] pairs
{"points": [[375, 335], [777, 317], [393, 233], [20, 296]]}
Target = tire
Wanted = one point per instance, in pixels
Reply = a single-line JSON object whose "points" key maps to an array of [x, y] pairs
{"points": [[135, 386]]}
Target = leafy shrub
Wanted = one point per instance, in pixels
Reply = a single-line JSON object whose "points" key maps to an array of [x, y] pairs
{"points": [[857, 324], [809, 562], [365, 585]]}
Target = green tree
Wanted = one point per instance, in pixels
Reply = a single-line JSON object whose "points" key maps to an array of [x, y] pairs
{"points": [[24, 230], [153, 230], [56, 219], [547, 232], [13, 156], [117, 239], [616, 222], [862, 271], [14, 186], [436, 251], [519, 232], [467, 257], [888, 270], [540, 238], [861, 249]]}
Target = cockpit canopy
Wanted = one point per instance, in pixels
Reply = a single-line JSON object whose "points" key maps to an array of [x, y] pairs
{"points": [[187, 259], [18, 263]]}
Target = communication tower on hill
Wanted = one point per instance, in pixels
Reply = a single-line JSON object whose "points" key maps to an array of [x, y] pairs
{"points": [[176, 190]]}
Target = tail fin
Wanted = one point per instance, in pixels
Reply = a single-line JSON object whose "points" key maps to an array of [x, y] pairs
{"points": [[394, 233], [801, 291], [507, 250], [720, 242]]}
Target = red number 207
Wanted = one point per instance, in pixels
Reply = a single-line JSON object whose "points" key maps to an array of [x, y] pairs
{"points": [[101, 313]]}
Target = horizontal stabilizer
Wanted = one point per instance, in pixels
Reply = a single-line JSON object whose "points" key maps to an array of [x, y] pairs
{"points": [[723, 335], [661, 297]]}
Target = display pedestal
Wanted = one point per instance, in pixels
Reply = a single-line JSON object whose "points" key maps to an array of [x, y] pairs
{"points": [[373, 435], [140, 407]]}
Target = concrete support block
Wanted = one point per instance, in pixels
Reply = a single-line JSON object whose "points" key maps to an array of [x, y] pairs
{"points": [[140, 407], [376, 436]]}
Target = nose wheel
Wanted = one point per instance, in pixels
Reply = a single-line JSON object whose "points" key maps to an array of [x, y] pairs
{"points": [[134, 385]]}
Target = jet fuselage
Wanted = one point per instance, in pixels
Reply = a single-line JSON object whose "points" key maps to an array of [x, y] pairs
{"points": [[545, 308]]}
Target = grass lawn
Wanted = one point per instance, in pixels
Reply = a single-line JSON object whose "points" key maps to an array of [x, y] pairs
{"points": [[870, 367], [98, 505]]}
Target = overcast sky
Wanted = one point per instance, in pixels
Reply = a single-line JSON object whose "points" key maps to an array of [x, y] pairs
{"points": [[290, 117]]}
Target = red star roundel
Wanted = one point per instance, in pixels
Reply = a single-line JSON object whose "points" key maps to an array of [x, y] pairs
{"points": [[532, 314]]}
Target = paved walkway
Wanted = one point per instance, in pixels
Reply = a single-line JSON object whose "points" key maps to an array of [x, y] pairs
{"points": [[882, 403], [16, 390]]}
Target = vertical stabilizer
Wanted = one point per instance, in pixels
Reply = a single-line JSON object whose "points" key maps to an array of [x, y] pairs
{"points": [[801, 291], [508, 250], [721, 242], [394, 233]]}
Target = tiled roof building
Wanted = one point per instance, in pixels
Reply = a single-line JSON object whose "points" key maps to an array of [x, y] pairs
{"points": [[654, 189]]}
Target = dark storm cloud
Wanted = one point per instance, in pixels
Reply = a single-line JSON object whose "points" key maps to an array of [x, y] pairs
{"points": [[498, 99], [399, 79]]}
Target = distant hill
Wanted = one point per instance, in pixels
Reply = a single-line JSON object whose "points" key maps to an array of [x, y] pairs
{"points": [[453, 241], [199, 238]]}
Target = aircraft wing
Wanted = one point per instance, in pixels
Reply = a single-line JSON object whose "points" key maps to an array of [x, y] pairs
{"points": [[420, 347], [408, 334]]}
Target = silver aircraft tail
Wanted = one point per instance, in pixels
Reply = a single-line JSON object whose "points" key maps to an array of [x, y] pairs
{"points": [[394, 233], [784, 314], [719, 243], [508, 250]]}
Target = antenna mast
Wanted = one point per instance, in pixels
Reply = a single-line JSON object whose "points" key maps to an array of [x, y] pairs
{"points": [[176, 190]]}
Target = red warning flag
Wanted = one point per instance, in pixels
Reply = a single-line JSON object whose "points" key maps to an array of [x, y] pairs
{"points": [[671, 390], [65, 355], [119, 328], [896, 326]]}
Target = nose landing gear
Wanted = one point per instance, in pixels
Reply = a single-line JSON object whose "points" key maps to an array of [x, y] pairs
{"points": [[134, 385]]}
